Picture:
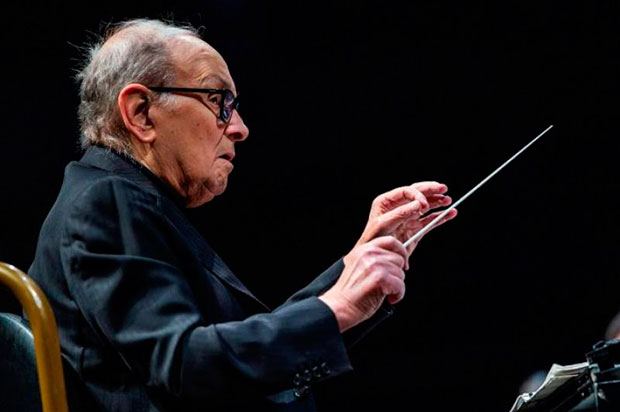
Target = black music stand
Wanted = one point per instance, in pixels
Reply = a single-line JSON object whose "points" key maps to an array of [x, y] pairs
{"points": [[596, 388]]}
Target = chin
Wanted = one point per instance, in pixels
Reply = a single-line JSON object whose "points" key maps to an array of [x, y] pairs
{"points": [[199, 201], [218, 186], [206, 192]]}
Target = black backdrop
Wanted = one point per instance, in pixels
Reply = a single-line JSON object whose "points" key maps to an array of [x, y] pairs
{"points": [[348, 99]]}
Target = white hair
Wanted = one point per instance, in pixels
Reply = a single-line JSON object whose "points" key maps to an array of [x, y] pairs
{"points": [[138, 54]]}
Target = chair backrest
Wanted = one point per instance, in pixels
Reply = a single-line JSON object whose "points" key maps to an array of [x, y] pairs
{"points": [[19, 349], [19, 390]]}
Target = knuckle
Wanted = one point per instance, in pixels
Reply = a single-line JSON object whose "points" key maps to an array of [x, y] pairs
{"points": [[402, 291], [370, 261], [397, 245], [377, 200], [380, 278], [401, 214], [399, 285], [376, 243], [390, 240], [368, 249], [419, 195], [380, 220]]}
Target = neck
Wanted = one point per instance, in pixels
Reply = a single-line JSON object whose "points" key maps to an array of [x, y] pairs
{"points": [[165, 169]]}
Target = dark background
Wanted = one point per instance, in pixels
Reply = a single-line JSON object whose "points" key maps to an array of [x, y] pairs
{"points": [[346, 100]]}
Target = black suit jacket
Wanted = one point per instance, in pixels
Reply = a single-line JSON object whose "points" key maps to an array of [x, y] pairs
{"points": [[152, 319]]}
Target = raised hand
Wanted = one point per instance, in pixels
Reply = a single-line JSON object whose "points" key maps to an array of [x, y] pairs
{"points": [[402, 212]]}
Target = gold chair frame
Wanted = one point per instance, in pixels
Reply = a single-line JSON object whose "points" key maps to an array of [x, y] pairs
{"points": [[46, 345]]}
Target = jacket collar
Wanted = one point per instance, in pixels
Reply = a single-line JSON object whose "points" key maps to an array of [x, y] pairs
{"points": [[112, 161]]}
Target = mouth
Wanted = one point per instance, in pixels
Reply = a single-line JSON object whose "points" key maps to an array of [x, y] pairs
{"points": [[228, 156]]}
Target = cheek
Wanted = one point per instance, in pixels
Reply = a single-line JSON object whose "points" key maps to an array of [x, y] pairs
{"points": [[203, 146], [208, 139], [200, 142]]}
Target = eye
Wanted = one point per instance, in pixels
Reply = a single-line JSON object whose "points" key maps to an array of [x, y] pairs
{"points": [[215, 98]]}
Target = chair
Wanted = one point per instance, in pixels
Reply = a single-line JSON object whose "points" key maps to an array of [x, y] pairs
{"points": [[19, 349]]}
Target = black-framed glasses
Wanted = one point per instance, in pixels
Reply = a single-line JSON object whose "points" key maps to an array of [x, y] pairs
{"points": [[227, 101]]}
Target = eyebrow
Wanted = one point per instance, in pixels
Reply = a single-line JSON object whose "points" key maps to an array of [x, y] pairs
{"points": [[220, 81]]}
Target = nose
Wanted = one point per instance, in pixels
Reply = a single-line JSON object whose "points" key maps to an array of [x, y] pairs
{"points": [[236, 130]]}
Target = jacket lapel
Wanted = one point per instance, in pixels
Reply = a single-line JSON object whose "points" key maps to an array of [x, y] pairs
{"points": [[213, 263]]}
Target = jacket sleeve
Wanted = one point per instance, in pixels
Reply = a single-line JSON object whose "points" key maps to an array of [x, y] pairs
{"points": [[126, 281], [326, 280]]}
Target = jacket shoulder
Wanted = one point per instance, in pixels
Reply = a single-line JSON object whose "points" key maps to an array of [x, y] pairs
{"points": [[87, 186]]}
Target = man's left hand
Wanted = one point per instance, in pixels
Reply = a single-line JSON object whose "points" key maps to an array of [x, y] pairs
{"points": [[402, 212]]}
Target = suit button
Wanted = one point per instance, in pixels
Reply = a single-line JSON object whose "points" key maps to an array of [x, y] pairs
{"points": [[301, 391], [307, 375], [316, 372], [325, 368], [297, 379]]}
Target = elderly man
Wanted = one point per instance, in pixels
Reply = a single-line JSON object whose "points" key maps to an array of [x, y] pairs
{"points": [[149, 316]]}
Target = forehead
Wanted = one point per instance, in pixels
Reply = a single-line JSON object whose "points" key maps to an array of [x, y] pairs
{"points": [[199, 64]]}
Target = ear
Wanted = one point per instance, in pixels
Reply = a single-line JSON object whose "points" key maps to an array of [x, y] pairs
{"points": [[134, 103]]}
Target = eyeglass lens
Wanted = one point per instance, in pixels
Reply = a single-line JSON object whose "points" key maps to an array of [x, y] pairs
{"points": [[228, 106]]}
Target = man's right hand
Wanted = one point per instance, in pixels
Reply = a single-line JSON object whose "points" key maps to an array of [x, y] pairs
{"points": [[373, 271]]}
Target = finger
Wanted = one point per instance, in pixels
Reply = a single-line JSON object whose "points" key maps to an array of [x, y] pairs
{"points": [[394, 265], [394, 299], [394, 288], [389, 243], [428, 219], [410, 250], [389, 221], [385, 259], [409, 253], [397, 197], [395, 259], [419, 196], [414, 227], [436, 201], [430, 188], [449, 216]]}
